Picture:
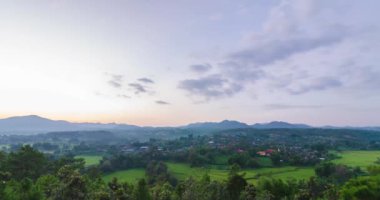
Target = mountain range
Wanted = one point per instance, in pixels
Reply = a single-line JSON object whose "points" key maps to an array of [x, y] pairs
{"points": [[33, 124]]}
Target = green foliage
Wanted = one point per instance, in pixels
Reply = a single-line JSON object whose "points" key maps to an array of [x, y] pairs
{"points": [[236, 182], [27, 162], [47, 184], [362, 188], [21, 190], [123, 162], [203, 189], [373, 170], [46, 177], [163, 192], [249, 193], [243, 160], [157, 172], [120, 191], [278, 189], [72, 185], [336, 173], [142, 191]]}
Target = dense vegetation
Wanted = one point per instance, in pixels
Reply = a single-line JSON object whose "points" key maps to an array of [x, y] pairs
{"points": [[231, 165]]}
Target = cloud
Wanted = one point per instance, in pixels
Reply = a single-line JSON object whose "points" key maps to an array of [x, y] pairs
{"points": [[116, 80], [241, 72], [317, 84], [293, 40], [286, 106], [146, 80], [266, 50], [210, 87], [200, 68], [138, 88], [123, 96], [162, 102]]}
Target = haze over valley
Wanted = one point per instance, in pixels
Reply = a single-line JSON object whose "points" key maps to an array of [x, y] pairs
{"points": [[189, 100]]}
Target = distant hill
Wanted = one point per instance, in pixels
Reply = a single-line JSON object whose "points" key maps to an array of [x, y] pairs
{"points": [[278, 124], [33, 124], [368, 128], [225, 124]]}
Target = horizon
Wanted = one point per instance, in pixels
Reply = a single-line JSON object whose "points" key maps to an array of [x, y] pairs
{"points": [[172, 63], [194, 122]]}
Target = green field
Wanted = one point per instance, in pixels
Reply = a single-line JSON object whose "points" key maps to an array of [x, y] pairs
{"points": [[130, 176], [183, 171], [90, 160], [358, 158], [219, 172]]}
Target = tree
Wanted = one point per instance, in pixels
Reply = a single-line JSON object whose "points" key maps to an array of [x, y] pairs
{"points": [[27, 163], [142, 191], [373, 170], [276, 159], [157, 172], [249, 193], [362, 188], [336, 173], [119, 191], [236, 182], [48, 185], [21, 190], [72, 185], [163, 192], [278, 188]]}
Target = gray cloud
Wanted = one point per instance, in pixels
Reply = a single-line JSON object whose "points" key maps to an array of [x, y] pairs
{"points": [[286, 106], [279, 48], [317, 84], [210, 87], [116, 81], [123, 96], [162, 102], [241, 72], [145, 80], [137, 88], [200, 68], [266, 54]]}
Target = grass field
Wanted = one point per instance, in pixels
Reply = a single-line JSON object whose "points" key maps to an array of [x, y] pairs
{"points": [[90, 160], [358, 158], [219, 172], [130, 176], [183, 171]]}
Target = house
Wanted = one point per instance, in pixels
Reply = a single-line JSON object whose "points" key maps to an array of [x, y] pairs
{"points": [[144, 148], [261, 153], [240, 150], [267, 152]]}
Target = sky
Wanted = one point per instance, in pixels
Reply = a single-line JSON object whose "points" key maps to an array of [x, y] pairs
{"points": [[173, 62]]}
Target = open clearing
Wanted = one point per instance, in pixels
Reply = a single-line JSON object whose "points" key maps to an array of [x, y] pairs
{"points": [[219, 172], [130, 176], [358, 158], [90, 160], [183, 171]]}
